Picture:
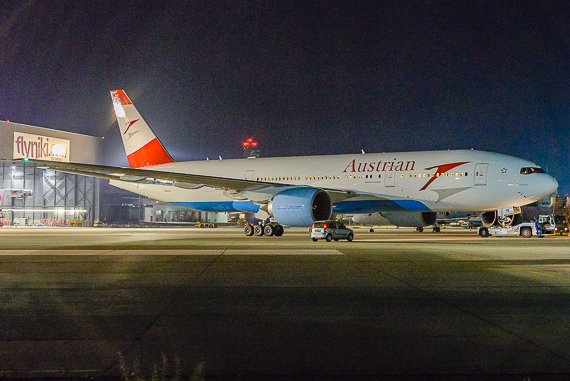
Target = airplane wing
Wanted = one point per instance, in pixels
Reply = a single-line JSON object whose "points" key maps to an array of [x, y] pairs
{"points": [[182, 180]]}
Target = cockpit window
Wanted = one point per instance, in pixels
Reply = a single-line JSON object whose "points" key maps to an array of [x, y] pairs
{"points": [[529, 170]]}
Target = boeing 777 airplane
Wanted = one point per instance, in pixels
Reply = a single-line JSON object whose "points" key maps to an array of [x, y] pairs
{"points": [[296, 191]]}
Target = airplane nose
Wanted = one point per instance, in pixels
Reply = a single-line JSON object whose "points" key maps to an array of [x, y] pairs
{"points": [[549, 184], [542, 186]]}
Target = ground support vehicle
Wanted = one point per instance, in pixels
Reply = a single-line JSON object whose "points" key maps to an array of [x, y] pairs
{"points": [[561, 222], [330, 230], [547, 224], [526, 229], [205, 225], [561, 212]]}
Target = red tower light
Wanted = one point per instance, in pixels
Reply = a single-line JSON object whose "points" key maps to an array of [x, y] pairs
{"points": [[250, 148]]}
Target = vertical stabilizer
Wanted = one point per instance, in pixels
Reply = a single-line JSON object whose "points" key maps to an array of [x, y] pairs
{"points": [[141, 145]]}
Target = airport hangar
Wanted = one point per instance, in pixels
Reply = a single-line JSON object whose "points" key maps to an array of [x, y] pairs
{"points": [[30, 195]]}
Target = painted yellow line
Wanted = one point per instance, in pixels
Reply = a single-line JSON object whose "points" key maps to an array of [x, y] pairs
{"points": [[528, 271]]}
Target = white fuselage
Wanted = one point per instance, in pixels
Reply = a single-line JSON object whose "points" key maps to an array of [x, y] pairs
{"points": [[462, 180]]}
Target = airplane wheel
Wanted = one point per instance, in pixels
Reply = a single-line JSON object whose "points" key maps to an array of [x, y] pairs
{"points": [[279, 230], [315, 239], [329, 238], [248, 230], [436, 229], [258, 230], [371, 230], [268, 230], [420, 229], [350, 237]]}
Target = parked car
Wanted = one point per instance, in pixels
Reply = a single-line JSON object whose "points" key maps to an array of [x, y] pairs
{"points": [[330, 230]]}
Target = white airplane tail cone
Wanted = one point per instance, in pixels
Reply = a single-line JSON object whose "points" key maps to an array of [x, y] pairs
{"points": [[141, 144]]}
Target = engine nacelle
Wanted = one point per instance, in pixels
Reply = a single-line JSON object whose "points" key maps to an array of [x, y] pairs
{"points": [[492, 218], [489, 219], [411, 219], [300, 206]]}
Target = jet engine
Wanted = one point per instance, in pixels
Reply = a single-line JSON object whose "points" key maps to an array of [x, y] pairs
{"points": [[300, 206], [411, 219], [489, 219]]}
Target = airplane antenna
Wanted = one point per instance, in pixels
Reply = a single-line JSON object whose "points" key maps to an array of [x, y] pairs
{"points": [[363, 151], [220, 157]]}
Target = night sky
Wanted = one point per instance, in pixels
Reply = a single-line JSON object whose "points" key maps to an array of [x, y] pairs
{"points": [[300, 77]]}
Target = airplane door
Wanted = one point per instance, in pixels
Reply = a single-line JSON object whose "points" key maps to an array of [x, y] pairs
{"points": [[249, 175], [480, 177], [389, 179]]}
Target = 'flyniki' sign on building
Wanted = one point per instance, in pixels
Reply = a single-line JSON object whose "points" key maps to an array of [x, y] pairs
{"points": [[40, 147]]}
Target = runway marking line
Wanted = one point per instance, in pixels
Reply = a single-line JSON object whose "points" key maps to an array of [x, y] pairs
{"points": [[233, 252], [305, 252], [532, 272]]}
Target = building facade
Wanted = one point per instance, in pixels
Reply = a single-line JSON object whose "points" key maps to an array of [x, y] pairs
{"points": [[30, 195]]}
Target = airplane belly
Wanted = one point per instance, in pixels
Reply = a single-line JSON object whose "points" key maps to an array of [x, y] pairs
{"points": [[204, 199]]}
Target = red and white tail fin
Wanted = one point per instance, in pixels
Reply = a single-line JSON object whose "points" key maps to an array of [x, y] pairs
{"points": [[141, 144]]}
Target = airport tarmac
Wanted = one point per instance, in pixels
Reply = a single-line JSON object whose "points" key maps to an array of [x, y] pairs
{"points": [[393, 304]]}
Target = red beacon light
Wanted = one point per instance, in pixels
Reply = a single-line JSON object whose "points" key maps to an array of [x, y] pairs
{"points": [[249, 143]]}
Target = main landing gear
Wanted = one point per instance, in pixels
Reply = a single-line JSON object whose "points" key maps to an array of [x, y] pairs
{"points": [[271, 229], [436, 229]]}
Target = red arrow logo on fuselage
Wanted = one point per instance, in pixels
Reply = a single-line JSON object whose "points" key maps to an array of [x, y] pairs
{"points": [[441, 169], [129, 124]]}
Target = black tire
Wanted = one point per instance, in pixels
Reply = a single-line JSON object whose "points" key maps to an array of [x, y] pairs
{"points": [[258, 230], [436, 229], [328, 237], [526, 232], [350, 237], [315, 239], [269, 230], [484, 232], [279, 230], [248, 230], [371, 230], [420, 229], [336, 239]]}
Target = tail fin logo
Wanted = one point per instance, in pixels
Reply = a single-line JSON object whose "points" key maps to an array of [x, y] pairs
{"points": [[129, 124]]}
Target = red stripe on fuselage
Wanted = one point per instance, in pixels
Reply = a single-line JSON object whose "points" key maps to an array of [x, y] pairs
{"points": [[153, 153], [440, 170]]}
